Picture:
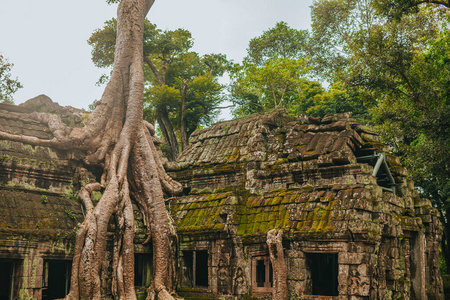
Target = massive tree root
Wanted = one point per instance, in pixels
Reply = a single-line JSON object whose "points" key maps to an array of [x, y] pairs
{"points": [[276, 251], [118, 139]]}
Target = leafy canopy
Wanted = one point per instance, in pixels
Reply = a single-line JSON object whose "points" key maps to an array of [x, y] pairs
{"points": [[268, 86], [334, 22], [281, 41], [397, 8], [272, 72]]}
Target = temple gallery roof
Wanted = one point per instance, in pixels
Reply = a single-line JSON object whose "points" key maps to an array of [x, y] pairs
{"points": [[327, 178], [38, 184]]}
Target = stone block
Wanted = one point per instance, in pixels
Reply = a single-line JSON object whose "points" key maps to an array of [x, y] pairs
{"points": [[351, 258], [296, 269], [343, 274]]}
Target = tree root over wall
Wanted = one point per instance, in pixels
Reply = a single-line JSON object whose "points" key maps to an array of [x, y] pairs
{"points": [[276, 251]]}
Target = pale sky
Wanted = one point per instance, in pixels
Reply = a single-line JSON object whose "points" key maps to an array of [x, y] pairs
{"points": [[46, 39]]}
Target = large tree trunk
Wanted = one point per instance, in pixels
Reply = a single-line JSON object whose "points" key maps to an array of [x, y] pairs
{"points": [[133, 150], [118, 139]]}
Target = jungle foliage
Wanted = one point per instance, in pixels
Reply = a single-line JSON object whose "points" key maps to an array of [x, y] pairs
{"points": [[8, 85], [282, 69]]}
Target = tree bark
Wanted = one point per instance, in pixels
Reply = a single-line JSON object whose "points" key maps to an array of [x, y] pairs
{"points": [[274, 242]]}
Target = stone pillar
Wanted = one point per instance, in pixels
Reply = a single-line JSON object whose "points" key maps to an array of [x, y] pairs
{"points": [[418, 262], [33, 266]]}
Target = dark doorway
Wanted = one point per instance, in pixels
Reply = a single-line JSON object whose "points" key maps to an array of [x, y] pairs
{"points": [[6, 279], [201, 268], [56, 279], [188, 268], [324, 273], [142, 269]]}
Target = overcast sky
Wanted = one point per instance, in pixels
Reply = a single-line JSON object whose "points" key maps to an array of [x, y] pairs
{"points": [[46, 39]]}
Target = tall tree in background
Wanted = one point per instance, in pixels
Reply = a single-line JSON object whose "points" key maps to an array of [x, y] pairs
{"points": [[281, 41], [181, 87], [334, 22], [401, 60], [117, 138], [8, 85], [340, 98], [273, 72], [277, 71], [257, 88], [419, 119]]}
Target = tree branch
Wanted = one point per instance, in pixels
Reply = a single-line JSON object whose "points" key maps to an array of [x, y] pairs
{"points": [[444, 3], [154, 70]]}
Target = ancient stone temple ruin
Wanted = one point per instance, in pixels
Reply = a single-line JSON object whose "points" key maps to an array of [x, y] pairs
{"points": [[353, 227]]}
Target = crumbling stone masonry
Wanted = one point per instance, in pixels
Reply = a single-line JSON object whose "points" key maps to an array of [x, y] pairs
{"points": [[38, 212], [349, 232], [353, 226]]}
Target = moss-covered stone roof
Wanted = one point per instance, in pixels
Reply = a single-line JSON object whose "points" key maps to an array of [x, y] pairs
{"points": [[37, 184], [25, 211], [202, 213]]}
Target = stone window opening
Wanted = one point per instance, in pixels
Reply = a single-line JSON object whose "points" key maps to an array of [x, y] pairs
{"points": [[380, 168], [195, 268], [8, 270], [262, 274], [142, 269], [56, 279], [186, 191], [324, 270], [223, 218]]}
